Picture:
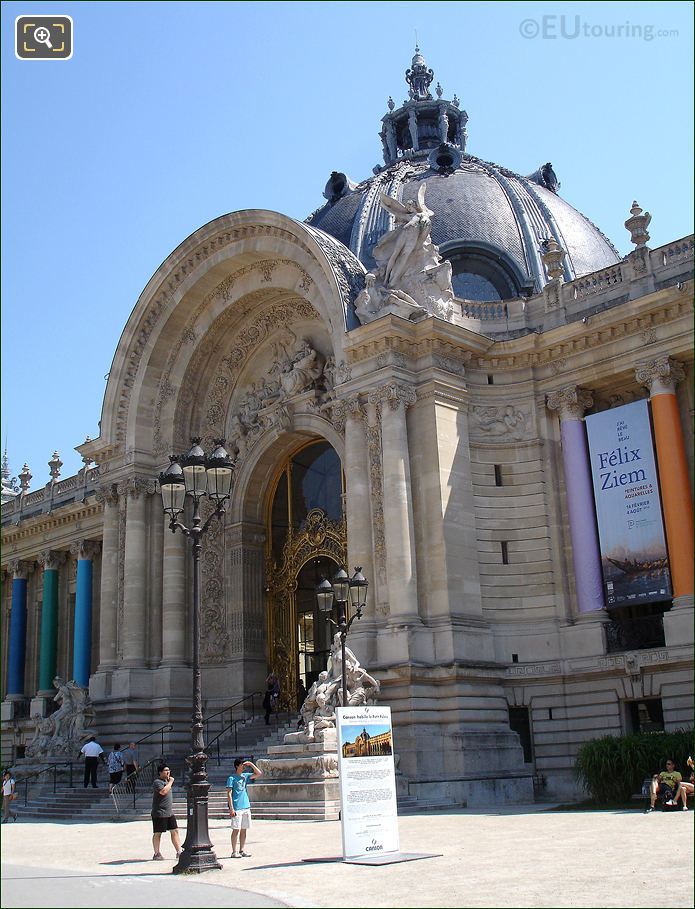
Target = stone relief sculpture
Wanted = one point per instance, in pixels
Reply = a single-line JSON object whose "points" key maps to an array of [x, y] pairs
{"points": [[318, 710], [501, 421], [297, 367], [411, 279], [64, 732]]}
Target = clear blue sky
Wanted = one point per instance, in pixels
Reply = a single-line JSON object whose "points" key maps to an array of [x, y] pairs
{"points": [[170, 114]]}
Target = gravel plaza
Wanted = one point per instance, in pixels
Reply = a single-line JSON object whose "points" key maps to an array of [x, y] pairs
{"points": [[522, 856]]}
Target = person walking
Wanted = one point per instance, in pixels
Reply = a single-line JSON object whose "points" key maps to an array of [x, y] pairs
{"points": [[130, 756], [239, 805], [163, 812], [8, 796], [115, 764], [93, 753], [271, 696]]}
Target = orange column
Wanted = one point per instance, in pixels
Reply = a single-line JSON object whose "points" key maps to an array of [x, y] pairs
{"points": [[661, 377]]}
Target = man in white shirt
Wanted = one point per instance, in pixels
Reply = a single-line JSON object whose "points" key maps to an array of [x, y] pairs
{"points": [[93, 753], [8, 795]]}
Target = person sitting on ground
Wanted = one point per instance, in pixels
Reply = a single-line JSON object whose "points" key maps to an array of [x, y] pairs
{"points": [[664, 785], [686, 788]]}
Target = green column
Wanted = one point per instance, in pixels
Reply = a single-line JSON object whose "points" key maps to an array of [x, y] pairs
{"points": [[49, 620]]}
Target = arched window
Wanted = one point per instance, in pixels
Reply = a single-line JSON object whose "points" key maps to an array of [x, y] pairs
{"points": [[482, 274], [311, 478]]}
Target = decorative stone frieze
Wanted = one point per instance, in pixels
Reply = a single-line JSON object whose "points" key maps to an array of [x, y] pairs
{"points": [[571, 402], [85, 549], [51, 559], [20, 569], [661, 375], [393, 396], [504, 421]]}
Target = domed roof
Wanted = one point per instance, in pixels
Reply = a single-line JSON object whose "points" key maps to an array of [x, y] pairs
{"points": [[491, 222]]}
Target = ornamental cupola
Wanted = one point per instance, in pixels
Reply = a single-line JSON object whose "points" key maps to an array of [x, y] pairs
{"points": [[424, 125]]}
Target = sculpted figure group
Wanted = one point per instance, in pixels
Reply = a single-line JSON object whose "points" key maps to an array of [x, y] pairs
{"points": [[318, 710], [64, 731], [411, 280]]}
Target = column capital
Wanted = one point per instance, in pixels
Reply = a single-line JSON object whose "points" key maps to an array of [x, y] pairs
{"points": [[107, 494], [51, 559], [20, 569], [571, 402], [661, 375], [85, 549], [137, 486], [393, 395]]}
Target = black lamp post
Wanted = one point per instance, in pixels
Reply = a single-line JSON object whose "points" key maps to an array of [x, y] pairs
{"points": [[198, 476], [343, 587]]}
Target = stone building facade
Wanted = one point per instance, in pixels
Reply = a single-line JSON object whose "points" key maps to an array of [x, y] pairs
{"points": [[429, 432]]}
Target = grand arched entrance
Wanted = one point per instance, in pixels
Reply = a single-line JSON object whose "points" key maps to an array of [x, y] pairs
{"points": [[307, 540]]}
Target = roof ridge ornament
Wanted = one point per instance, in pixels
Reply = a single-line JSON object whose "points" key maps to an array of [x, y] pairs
{"points": [[419, 78]]}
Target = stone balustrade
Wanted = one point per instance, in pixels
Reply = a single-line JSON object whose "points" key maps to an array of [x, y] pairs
{"points": [[661, 267], [51, 496]]}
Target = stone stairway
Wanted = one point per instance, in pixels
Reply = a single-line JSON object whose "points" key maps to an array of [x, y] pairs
{"points": [[252, 742]]}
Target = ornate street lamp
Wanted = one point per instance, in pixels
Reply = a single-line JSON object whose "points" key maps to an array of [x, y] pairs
{"points": [[198, 476], [343, 587]]}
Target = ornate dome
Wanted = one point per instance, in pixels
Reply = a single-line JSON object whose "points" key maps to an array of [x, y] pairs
{"points": [[490, 222]]}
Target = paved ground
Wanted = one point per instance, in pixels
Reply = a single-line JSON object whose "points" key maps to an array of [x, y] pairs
{"points": [[507, 858]]}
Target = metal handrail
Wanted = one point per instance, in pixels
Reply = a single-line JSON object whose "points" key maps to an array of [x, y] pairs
{"points": [[230, 708], [167, 727], [48, 769], [134, 784], [284, 709]]}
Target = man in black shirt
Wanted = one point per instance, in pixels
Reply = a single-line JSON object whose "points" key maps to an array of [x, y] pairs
{"points": [[163, 812]]}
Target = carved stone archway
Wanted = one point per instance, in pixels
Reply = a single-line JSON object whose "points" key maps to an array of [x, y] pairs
{"points": [[319, 538]]}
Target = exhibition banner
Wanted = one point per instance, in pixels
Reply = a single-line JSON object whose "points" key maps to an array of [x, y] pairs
{"points": [[634, 558], [367, 781]]}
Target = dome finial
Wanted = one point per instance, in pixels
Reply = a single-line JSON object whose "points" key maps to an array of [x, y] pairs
{"points": [[419, 77]]}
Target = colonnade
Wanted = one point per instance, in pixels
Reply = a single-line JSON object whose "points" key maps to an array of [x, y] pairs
{"points": [[51, 561], [660, 376]]}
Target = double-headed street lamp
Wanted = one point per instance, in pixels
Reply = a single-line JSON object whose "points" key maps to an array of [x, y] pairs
{"points": [[343, 587], [199, 476]]}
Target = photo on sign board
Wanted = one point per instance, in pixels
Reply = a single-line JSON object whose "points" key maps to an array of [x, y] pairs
{"points": [[372, 740]]}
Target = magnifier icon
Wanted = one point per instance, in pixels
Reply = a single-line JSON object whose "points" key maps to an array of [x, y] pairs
{"points": [[43, 36]]}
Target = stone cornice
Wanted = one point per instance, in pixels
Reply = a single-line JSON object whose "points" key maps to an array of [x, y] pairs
{"points": [[631, 320], [65, 519]]}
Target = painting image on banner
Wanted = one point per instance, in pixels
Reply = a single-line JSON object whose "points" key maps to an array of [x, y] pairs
{"points": [[628, 507], [367, 773]]}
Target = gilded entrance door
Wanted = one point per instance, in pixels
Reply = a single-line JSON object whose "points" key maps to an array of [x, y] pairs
{"points": [[298, 637]]}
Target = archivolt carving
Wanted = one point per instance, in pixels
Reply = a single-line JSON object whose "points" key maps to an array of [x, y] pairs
{"points": [[376, 486], [214, 637]]}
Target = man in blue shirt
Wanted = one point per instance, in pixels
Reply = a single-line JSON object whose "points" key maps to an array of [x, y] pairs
{"points": [[239, 805]]}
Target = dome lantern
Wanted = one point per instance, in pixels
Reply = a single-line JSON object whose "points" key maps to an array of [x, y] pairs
{"points": [[422, 123]]}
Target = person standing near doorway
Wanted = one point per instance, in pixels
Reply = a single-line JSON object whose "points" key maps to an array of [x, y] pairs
{"points": [[239, 805], [93, 753]]}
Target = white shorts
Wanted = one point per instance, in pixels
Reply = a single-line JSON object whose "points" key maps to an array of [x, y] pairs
{"points": [[242, 819]]}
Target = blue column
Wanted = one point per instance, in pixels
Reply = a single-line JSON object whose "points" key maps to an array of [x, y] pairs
{"points": [[18, 631], [82, 645]]}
